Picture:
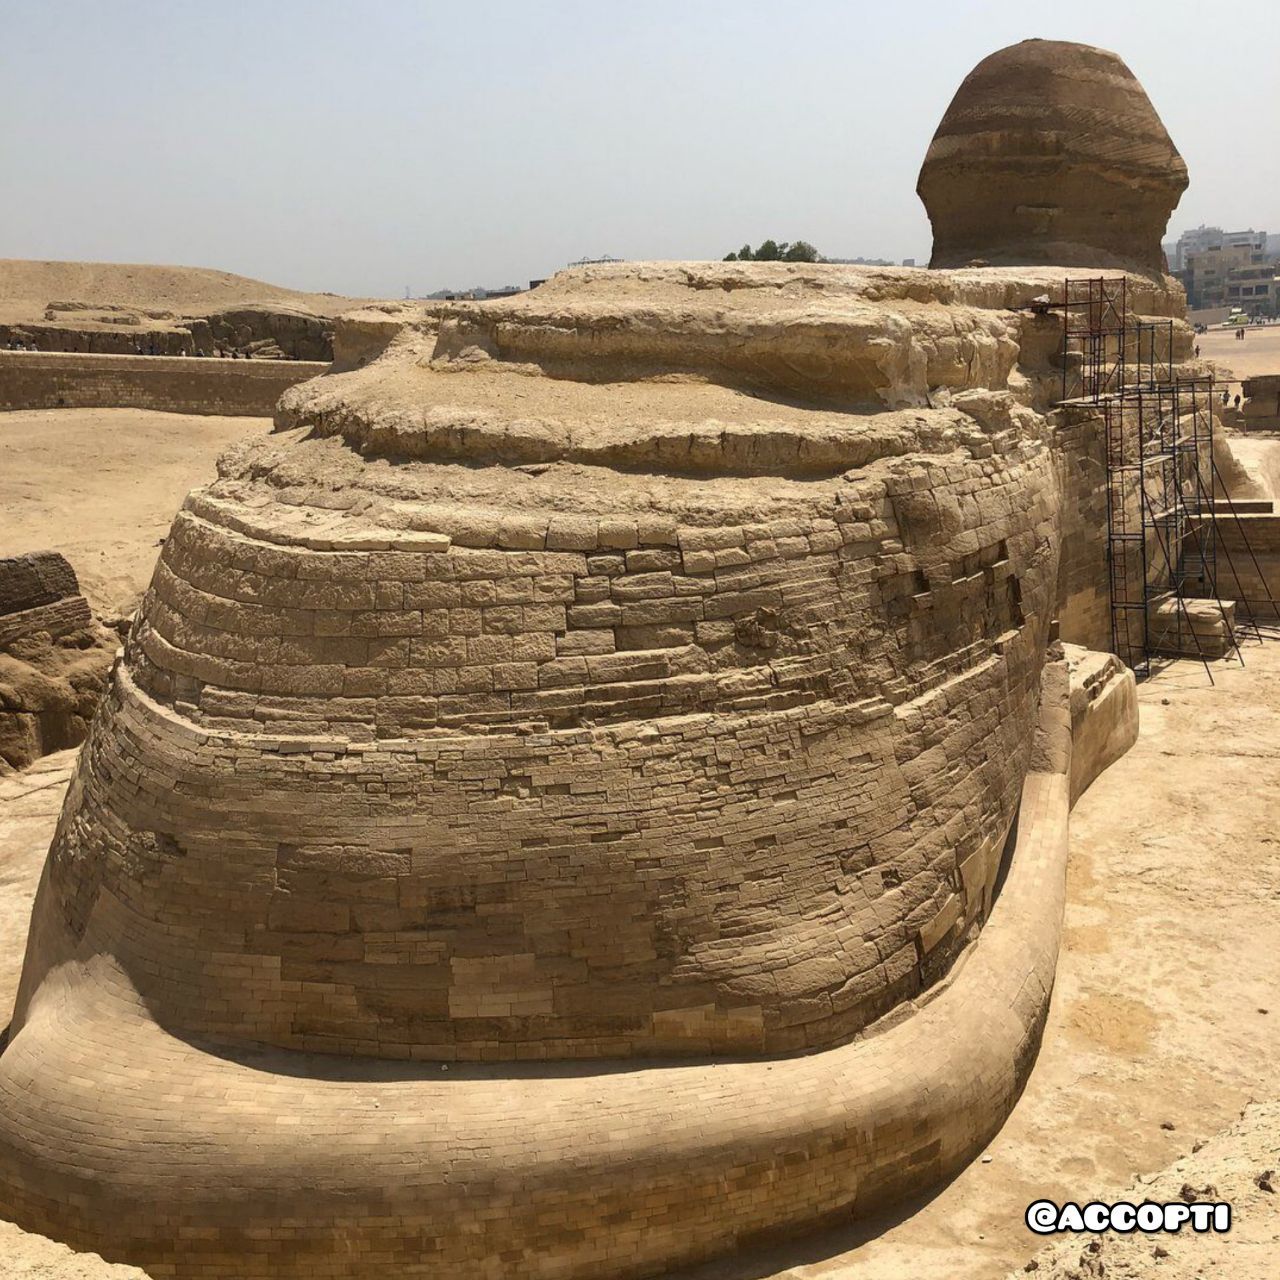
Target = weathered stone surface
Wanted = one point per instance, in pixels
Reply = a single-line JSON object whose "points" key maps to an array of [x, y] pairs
{"points": [[243, 388], [28, 1257], [54, 658], [37, 578], [1261, 409], [1051, 152]]}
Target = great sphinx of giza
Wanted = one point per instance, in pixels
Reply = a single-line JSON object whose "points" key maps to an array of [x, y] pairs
{"points": [[591, 788]]}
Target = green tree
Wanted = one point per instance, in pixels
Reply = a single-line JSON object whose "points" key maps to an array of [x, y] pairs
{"points": [[773, 251], [800, 251]]}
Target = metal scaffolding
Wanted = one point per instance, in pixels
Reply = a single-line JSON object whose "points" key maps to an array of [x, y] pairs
{"points": [[1096, 335], [1162, 519]]}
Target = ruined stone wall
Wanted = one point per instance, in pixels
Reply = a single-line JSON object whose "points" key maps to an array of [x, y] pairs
{"points": [[1261, 408], [238, 388], [54, 658]]}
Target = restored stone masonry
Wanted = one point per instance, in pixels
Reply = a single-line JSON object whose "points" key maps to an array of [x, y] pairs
{"points": [[173, 384]]}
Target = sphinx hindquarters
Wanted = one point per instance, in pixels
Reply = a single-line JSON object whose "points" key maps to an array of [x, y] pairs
{"points": [[756, 841]]}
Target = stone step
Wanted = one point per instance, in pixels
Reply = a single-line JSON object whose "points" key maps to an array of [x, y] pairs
{"points": [[1191, 628]]}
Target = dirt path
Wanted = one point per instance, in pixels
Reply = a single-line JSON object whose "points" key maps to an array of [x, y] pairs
{"points": [[102, 485], [1258, 352]]}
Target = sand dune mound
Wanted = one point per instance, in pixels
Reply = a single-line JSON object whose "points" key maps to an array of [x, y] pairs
{"points": [[28, 287]]}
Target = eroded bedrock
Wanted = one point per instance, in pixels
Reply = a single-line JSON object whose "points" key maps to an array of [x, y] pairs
{"points": [[596, 725]]}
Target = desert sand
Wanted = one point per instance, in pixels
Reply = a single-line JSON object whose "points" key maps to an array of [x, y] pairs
{"points": [[1238, 1167], [1258, 352], [27, 287], [101, 486]]}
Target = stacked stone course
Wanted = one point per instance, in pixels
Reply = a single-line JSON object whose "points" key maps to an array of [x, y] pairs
{"points": [[671, 887]]}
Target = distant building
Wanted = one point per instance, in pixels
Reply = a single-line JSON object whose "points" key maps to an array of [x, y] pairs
{"points": [[1203, 238], [476, 294], [1237, 272], [908, 262]]}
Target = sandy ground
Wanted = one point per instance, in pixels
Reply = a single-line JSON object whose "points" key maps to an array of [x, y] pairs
{"points": [[1165, 1021], [1238, 1168], [102, 485], [27, 287], [28, 1257], [1259, 352]]}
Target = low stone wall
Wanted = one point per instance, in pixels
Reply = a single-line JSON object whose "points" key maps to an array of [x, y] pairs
{"points": [[175, 384], [1261, 409], [1104, 714], [1248, 559]]}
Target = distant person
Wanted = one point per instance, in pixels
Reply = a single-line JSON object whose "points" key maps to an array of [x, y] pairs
{"points": [[1197, 351], [1226, 397], [1237, 399]]}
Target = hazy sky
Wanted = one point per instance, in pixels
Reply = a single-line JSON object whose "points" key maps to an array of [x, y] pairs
{"points": [[372, 144]]}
